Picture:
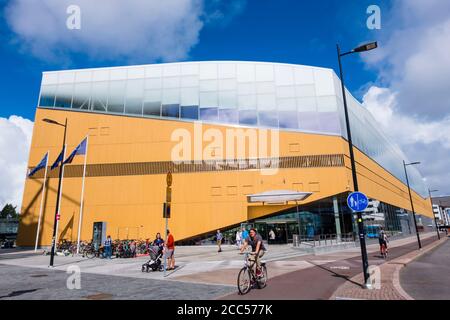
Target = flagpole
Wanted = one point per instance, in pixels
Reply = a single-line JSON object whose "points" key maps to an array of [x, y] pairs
{"points": [[42, 202], [80, 220], [60, 194]]}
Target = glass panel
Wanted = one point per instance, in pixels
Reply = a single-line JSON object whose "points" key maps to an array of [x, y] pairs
{"points": [[49, 78], [189, 81], [208, 85], [171, 96], [83, 76], [189, 112], [227, 84], [227, 99], [170, 110], [82, 93], [266, 102], [227, 70], [265, 87], [264, 72], [136, 73], [153, 83], [170, 70], [134, 96], [303, 75], [116, 96], [47, 96], [268, 119], [307, 104], [152, 108], [229, 116], [329, 122], [286, 92], [189, 97], [208, 71], [309, 121], [100, 75], [288, 119], [99, 96], [327, 104], [118, 74], [248, 117], [66, 77], [208, 99], [209, 114], [284, 75], [64, 96], [246, 88], [305, 91], [324, 82], [189, 68], [245, 72], [287, 104], [171, 82], [247, 102], [153, 72]]}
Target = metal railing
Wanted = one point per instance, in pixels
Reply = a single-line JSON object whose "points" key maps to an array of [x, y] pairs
{"points": [[322, 239]]}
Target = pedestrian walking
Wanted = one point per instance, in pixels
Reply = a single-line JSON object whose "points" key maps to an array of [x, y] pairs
{"points": [[219, 238], [108, 247], [170, 250], [272, 236], [238, 238]]}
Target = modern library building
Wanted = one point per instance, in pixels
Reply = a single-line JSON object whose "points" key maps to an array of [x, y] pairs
{"points": [[246, 143]]}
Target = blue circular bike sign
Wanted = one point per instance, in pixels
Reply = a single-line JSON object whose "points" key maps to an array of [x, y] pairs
{"points": [[357, 201]]}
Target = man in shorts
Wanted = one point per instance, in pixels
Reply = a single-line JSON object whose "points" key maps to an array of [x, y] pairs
{"points": [[170, 249], [256, 242]]}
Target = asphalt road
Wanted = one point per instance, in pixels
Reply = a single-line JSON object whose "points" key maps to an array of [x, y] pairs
{"points": [[321, 281], [39, 284], [428, 277]]}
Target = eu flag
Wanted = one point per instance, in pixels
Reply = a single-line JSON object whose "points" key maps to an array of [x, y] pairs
{"points": [[40, 165], [57, 161], [80, 149]]}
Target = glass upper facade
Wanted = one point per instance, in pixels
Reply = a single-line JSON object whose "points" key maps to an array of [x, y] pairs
{"points": [[270, 95]]}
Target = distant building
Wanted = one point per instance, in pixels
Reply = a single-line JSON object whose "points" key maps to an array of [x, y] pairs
{"points": [[8, 228], [441, 209]]}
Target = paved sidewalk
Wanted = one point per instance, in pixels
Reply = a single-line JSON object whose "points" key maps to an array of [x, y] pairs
{"points": [[389, 287]]}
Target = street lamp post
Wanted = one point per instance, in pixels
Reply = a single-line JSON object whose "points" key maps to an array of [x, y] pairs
{"points": [[435, 219], [362, 239], [55, 220], [410, 199]]}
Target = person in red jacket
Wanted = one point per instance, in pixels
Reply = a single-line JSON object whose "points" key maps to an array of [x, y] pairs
{"points": [[170, 243]]}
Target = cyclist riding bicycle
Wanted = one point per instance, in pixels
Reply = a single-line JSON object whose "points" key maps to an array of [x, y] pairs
{"points": [[258, 249], [382, 239]]}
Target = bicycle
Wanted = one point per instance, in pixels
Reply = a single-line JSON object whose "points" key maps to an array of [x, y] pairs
{"points": [[384, 251], [247, 276]]}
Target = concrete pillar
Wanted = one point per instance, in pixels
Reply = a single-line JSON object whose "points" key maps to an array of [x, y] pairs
{"points": [[337, 219]]}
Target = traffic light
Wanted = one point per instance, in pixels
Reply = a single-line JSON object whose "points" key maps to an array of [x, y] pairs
{"points": [[166, 210]]}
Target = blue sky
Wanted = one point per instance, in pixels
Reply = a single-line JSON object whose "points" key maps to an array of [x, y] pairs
{"points": [[300, 32]]}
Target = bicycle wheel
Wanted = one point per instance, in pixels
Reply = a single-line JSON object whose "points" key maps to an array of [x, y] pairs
{"points": [[90, 254], [244, 281], [262, 281]]}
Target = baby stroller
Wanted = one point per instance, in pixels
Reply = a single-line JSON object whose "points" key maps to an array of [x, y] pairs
{"points": [[156, 253]]}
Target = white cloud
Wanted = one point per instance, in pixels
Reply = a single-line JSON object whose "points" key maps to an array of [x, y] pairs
{"points": [[134, 31], [138, 30], [15, 140], [411, 99]]}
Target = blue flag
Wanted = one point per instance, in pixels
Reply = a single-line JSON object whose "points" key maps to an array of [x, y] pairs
{"points": [[57, 161], [80, 149], [40, 165]]}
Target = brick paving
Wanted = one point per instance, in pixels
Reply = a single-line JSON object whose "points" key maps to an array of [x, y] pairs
{"points": [[390, 288]]}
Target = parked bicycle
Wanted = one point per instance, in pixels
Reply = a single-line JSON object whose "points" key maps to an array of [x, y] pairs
{"points": [[247, 277]]}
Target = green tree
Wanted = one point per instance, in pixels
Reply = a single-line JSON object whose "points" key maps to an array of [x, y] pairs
{"points": [[9, 212]]}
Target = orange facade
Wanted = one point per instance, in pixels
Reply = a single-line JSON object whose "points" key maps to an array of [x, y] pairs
{"points": [[125, 185]]}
